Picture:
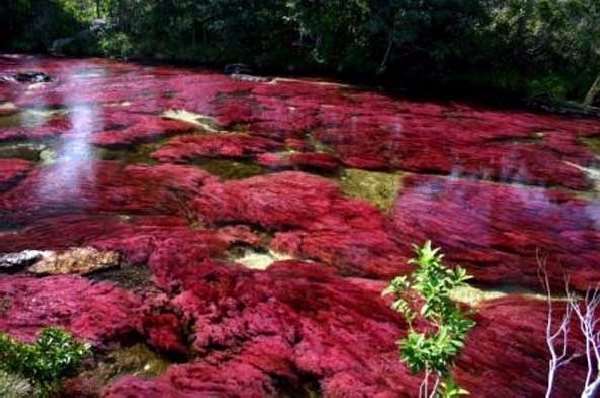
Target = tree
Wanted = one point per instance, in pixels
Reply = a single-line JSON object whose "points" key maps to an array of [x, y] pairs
{"points": [[557, 339], [425, 295]]}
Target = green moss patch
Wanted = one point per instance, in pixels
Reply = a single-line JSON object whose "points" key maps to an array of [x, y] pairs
{"points": [[230, 169], [375, 187], [593, 143]]}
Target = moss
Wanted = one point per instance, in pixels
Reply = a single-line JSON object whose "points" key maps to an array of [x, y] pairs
{"points": [[377, 188], [137, 360], [318, 145], [139, 154], [230, 169], [129, 277], [593, 143], [30, 117], [29, 152]]}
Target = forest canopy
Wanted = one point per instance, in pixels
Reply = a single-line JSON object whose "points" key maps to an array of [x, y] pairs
{"points": [[535, 48]]}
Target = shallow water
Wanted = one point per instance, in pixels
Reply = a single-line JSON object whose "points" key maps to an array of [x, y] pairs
{"points": [[332, 175]]}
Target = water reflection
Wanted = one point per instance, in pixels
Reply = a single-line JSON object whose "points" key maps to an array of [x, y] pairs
{"points": [[74, 155]]}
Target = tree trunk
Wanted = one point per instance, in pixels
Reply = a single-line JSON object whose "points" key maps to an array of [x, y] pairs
{"points": [[592, 92], [386, 56]]}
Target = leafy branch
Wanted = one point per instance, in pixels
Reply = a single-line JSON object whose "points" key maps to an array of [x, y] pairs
{"points": [[50, 358], [425, 295]]}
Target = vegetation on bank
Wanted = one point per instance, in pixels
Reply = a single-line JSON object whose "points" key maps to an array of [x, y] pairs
{"points": [[41, 365], [437, 328], [546, 48]]}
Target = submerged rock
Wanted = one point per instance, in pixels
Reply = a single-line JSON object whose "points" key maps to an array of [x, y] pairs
{"points": [[8, 108], [231, 69], [206, 123], [27, 77], [250, 78], [81, 260]]}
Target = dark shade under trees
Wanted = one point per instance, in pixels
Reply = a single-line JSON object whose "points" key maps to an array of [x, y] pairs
{"points": [[538, 48]]}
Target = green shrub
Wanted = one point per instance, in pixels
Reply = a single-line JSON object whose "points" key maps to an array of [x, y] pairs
{"points": [[116, 45], [45, 362], [425, 295]]}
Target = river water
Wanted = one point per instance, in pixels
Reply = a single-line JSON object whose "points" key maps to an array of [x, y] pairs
{"points": [[168, 165]]}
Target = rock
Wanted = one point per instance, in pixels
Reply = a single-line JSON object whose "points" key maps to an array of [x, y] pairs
{"points": [[259, 260], [97, 312], [57, 47], [22, 259], [8, 109], [231, 69], [81, 260], [32, 77], [249, 78], [206, 123]]}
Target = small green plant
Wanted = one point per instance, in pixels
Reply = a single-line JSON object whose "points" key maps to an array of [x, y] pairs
{"points": [[44, 363], [425, 296]]}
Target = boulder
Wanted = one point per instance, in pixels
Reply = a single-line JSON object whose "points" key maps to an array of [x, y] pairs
{"points": [[81, 260], [22, 258]]}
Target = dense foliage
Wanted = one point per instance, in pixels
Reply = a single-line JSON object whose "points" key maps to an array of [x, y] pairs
{"points": [[535, 47], [424, 296], [44, 363]]}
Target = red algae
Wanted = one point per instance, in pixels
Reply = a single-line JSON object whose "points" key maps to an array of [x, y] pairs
{"points": [[499, 232], [107, 314], [12, 170], [504, 353], [496, 189], [188, 148], [103, 186], [293, 322], [310, 218]]}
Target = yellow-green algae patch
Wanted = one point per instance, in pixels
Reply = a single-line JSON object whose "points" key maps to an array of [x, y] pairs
{"points": [[593, 143], [229, 169], [474, 296], [375, 187], [30, 117], [137, 360]]}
